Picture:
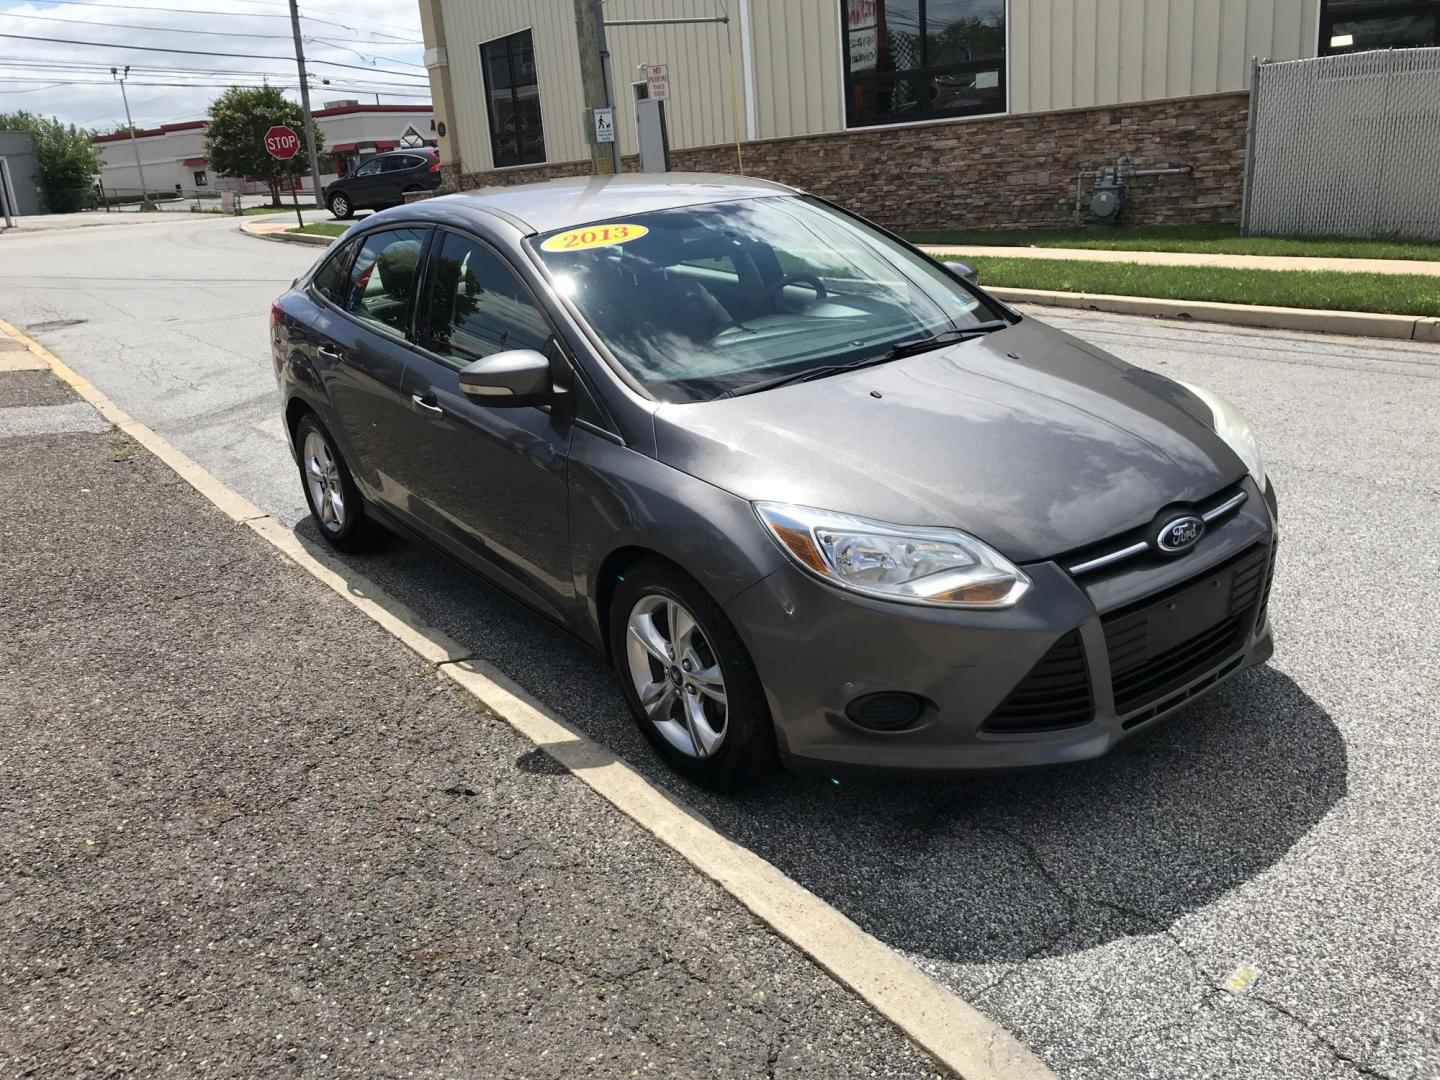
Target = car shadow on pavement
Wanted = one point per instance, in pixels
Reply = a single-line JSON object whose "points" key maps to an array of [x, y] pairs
{"points": [[975, 870]]}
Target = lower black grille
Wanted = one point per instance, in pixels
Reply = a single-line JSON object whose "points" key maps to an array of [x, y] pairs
{"points": [[1056, 693], [1159, 646], [1265, 596]]}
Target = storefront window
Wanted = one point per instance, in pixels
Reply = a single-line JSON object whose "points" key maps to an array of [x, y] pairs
{"points": [[908, 60], [1356, 25], [512, 93]]}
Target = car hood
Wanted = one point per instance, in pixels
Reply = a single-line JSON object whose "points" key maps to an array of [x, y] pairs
{"points": [[1027, 438]]}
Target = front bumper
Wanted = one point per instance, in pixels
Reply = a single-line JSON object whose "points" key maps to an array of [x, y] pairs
{"points": [[818, 649]]}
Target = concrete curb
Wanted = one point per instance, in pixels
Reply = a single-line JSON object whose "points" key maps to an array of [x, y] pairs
{"points": [[1355, 323], [289, 238], [956, 1034]]}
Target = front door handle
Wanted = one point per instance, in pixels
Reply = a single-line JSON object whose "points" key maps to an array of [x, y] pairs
{"points": [[427, 406]]}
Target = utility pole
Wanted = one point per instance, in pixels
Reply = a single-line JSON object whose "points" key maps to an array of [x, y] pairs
{"points": [[119, 76], [305, 100], [594, 57]]}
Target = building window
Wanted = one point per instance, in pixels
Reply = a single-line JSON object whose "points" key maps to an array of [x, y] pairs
{"points": [[200, 179], [512, 94], [1355, 25], [908, 60]]}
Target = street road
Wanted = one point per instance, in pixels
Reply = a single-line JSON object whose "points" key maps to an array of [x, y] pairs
{"points": [[1284, 832]]}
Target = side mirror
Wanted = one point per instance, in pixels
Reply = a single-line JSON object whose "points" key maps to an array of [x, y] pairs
{"points": [[963, 270], [511, 378]]}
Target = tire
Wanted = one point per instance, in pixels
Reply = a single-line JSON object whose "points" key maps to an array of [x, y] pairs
{"points": [[341, 207], [719, 746], [335, 503]]}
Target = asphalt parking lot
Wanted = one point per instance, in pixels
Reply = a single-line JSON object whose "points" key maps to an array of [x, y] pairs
{"points": [[1246, 890]]}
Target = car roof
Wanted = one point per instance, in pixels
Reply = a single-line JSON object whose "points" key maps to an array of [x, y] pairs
{"points": [[577, 200]]}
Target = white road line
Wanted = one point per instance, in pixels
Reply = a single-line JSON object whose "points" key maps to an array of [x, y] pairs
{"points": [[956, 1034]]}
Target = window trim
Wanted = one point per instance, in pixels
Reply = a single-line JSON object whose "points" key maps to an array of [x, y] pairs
{"points": [[539, 97], [843, 45]]}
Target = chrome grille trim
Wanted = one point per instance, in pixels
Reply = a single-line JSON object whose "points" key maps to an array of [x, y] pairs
{"points": [[1232, 503], [1140, 547], [1112, 557]]}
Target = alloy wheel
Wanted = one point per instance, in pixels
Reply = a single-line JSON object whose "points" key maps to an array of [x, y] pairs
{"points": [[676, 676], [322, 477], [339, 206]]}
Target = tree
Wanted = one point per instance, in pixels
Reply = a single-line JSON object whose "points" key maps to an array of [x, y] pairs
{"points": [[68, 163], [235, 139]]}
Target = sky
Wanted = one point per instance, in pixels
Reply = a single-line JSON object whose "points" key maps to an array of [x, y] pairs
{"points": [[378, 41]]}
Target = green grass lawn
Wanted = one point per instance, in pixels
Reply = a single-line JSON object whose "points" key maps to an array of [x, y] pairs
{"points": [[1205, 239], [324, 228], [1397, 294]]}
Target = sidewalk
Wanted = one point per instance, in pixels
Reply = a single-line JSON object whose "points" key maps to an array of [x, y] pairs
{"points": [[1182, 258], [247, 833]]}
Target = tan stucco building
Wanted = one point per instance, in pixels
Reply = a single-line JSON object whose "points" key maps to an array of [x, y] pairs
{"points": [[801, 84]]}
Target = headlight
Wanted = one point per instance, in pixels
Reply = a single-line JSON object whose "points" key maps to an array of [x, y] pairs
{"points": [[944, 567], [1230, 424]]}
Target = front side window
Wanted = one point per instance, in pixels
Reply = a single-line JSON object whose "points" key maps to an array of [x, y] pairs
{"points": [[369, 168], [478, 306], [382, 281], [512, 95], [1356, 25], [707, 300], [909, 60]]}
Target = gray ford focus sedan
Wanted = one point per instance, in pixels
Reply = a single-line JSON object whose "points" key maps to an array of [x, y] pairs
{"points": [[815, 494]]}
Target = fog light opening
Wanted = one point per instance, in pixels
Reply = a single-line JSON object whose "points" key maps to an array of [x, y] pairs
{"points": [[886, 711]]}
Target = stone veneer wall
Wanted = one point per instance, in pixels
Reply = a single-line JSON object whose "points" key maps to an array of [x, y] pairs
{"points": [[1002, 171]]}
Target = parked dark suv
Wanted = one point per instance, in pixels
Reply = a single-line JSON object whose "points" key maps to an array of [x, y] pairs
{"points": [[383, 180]]}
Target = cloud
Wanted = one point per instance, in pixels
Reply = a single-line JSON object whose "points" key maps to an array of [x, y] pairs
{"points": [[48, 77]]}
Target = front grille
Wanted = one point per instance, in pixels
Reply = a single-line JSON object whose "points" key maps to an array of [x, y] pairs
{"points": [[1055, 694], [1169, 640]]}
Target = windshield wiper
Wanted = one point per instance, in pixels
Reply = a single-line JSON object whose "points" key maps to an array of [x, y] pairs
{"points": [[935, 341], [895, 352]]}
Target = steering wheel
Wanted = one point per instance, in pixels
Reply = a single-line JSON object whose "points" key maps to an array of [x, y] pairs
{"points": [[821, 293]]}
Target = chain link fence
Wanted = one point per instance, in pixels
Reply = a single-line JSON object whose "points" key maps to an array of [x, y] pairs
{"points": [[1346, 146]]}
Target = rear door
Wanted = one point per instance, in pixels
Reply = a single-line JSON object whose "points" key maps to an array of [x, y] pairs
{"points": [[395, 170], [362, 358], [489, 481]]}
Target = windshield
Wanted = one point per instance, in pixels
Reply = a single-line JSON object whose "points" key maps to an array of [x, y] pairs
{"points": [[703, 301]]}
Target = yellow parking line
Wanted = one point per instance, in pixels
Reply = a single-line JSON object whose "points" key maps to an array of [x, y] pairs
{"points": [[956, 1034]]}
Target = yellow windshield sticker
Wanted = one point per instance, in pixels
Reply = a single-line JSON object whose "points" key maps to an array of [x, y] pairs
{"points": [[593, 236]]}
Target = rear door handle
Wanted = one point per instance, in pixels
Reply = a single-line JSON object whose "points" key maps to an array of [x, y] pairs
{"points": [[331, 352], [427, 406]]}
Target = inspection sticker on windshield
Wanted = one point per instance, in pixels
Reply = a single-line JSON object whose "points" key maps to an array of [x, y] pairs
{"points": [[593, 236]]}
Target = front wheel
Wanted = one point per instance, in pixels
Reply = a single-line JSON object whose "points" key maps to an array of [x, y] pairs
{"points": [[341, 207], [330, 491], [688, 678]]}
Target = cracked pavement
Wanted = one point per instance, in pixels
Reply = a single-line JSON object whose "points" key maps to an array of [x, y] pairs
{"points": [[247, 833], [1287, 823]]}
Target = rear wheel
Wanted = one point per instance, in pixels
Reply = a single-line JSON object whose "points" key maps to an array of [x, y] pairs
{"points": [[341, 207], [688, 678], [330, 491]]}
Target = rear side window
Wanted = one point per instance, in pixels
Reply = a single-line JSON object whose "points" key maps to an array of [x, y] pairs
{"points": [[329, 280], [400, 163], [478, 306], [382, 281]]}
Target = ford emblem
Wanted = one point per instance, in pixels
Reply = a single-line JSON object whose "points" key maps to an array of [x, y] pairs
{"points": [[1180, 534]]}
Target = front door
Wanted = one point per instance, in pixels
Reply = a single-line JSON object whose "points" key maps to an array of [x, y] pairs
{"points": [[489, 480], [363, 186]]}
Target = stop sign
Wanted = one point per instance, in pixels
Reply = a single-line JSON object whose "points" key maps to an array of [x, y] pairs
{"points": [[281, 142]]}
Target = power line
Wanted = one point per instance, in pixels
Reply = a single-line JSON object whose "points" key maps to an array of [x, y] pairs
{"points": [[202, 52], [233, 14], [134, 26]]}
